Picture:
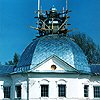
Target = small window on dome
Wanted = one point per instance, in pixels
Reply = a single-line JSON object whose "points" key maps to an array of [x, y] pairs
{"points": [[53, 67]]}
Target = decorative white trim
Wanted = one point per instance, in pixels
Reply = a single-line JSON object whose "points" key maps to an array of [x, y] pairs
{"points": [[61, 81], [43, 81]]}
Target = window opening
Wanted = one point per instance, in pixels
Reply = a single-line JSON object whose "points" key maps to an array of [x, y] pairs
{"points": [[62, 90], [44, 90], [18, 91], [6, 92], [96, 91], [86, 90]]}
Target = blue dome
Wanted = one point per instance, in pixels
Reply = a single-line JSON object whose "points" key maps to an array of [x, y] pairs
{"points": [[61, 46]]}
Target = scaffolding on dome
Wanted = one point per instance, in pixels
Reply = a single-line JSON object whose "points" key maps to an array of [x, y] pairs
{"points": [[52, 21]]}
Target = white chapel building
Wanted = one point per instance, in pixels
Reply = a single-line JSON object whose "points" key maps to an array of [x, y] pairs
{"points": [[52, 67]]}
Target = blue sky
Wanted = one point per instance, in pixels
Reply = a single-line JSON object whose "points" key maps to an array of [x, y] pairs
{"points": [[17, 15]]}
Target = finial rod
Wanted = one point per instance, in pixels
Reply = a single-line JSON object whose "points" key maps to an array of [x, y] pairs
{"points": [[39, 7], [66, 4]]}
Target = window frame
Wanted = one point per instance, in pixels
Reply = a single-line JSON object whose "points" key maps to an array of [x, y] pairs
{"points": [[86, 90], [95, 90], [7, 91], [44, 90], [61, 90], [18, 92]]}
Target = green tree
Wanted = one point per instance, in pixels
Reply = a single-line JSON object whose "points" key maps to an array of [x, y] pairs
{"points": [[90, 49], [14, 61], [10, 62]]}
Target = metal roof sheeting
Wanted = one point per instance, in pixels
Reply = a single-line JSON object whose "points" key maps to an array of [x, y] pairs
{"points": [[42, 48], [95, 68], [6, 69]]}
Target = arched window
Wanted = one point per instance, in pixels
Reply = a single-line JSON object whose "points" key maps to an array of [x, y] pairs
{"points": [[61, 88], [44, 88]]}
